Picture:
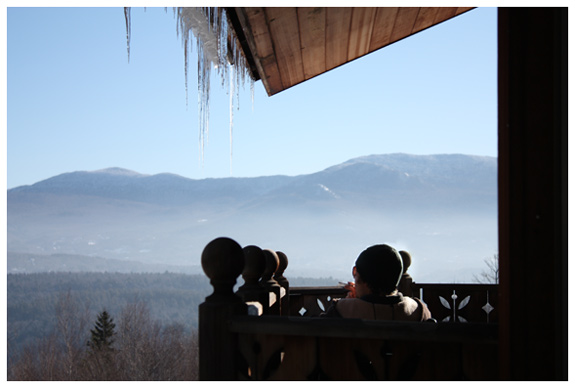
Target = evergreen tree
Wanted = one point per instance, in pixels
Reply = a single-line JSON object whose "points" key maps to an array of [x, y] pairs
{"points": [[103, 332]]}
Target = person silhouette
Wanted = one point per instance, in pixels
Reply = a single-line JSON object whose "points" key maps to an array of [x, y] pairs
{"points": [[373, 294]]}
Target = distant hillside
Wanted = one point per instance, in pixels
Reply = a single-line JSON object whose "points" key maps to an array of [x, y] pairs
{"points": [[437, 205], [369, 175], [63, 262], [163, 189], [398, 182]]}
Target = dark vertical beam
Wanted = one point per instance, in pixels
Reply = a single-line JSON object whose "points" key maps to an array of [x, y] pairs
{"points": [[532, 55], [222, 261]]}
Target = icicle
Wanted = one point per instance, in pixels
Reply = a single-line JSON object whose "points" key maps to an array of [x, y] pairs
{"points": [[204, 71], [194, 21], [231, 92], [127, 16], [252, 92]]}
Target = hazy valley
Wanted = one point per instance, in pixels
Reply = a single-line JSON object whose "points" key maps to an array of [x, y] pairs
{"points": [[442, 208]]}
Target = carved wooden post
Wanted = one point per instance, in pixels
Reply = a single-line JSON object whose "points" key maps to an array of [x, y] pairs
{"points": [[223, 262], [282, 281], [405, 285], [255, 265], [273, 288]]}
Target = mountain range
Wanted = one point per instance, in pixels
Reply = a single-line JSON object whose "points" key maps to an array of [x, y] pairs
{"points": [[443, 208]]}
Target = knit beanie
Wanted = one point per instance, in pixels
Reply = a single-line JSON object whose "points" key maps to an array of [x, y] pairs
{"points": [[381, 267]]}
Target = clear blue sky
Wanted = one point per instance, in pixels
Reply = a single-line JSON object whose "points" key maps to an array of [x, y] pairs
{"points": [[74, 102]]}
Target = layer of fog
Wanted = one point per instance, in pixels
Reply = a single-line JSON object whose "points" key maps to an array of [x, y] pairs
{"points": [[446, 246]]}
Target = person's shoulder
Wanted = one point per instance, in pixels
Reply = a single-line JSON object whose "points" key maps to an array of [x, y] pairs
{"points": [[348, 302], [409, 302], [354, 308], [413, 304]]}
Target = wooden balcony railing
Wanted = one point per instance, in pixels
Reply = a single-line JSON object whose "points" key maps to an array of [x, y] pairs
{"points": [[460, 302], [447, 302], [297, 348], [268, 331], [312, 301]]}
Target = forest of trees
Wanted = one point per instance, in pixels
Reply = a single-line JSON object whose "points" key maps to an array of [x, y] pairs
{"points": [[53, 318], [134, 348], [32, 299]]}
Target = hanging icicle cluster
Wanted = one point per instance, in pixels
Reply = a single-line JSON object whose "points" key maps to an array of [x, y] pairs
{"points": [[217, 50], [128, 17]]}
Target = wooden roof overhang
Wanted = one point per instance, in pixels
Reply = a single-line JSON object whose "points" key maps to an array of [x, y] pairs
{"points": [[285, 46]]}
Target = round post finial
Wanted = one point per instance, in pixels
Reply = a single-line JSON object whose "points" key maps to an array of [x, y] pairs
{"points": [[282, 281], [273, 287], [272, 264], [255, 264], [283, 263], [222, 262], [252, 290]]}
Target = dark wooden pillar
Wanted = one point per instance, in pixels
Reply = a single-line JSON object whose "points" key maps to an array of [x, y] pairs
{"points": [[270, 284], [223, 262], [255, 265], [532, 68], [282, 281]]}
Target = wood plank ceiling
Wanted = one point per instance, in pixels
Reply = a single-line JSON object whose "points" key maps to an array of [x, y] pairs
{"points": [[288, 45]]}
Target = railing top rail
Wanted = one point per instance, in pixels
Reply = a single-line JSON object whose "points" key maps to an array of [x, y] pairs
{"points": [[309, 290], [478, 286], [358, 328], [317, 290]]}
